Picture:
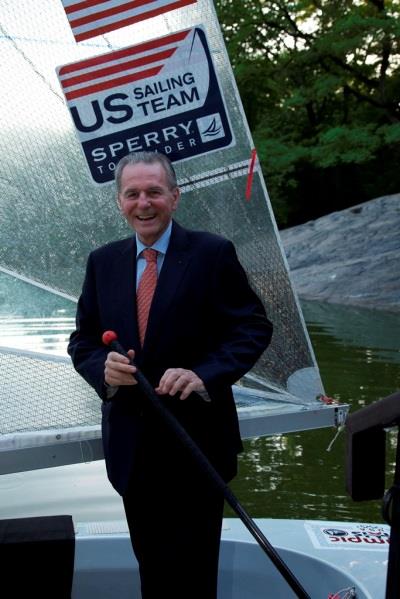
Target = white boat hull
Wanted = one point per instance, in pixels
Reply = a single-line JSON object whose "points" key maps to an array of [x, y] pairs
{"points": [[105, 566]]}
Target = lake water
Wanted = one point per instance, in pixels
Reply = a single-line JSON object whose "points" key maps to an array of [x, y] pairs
{"points": [[358, 353], [283, 476]]}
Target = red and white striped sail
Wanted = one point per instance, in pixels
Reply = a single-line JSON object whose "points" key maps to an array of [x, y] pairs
{"points": [[89, 18]]}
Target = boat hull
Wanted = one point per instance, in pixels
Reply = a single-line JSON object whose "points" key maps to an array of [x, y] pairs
{"points": [[105, 566]]}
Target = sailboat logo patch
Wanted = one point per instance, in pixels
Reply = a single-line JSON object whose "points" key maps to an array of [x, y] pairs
{"points": [[210, 127], [161, 95]]}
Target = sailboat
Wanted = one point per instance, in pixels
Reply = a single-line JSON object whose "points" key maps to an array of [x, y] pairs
{"points": [[64, 126]]}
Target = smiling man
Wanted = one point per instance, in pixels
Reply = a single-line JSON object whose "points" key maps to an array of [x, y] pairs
{"points": [[203, 329]]}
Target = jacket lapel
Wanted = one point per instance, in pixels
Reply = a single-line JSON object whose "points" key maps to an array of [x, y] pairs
{"points": [[126, 295]]}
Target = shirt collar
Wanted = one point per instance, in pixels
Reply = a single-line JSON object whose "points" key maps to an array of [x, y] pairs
{"points": [[161, 245]]}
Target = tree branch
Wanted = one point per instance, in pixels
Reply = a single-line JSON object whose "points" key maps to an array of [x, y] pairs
{"points": [[293, 24], [370, 83], [390, 109], [386, 51]]}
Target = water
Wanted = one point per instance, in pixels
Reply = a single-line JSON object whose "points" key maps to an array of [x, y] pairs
{"points": [[294, 475], [33, 319], [284, 476]]}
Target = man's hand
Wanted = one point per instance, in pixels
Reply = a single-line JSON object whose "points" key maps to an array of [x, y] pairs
{"points": [[179, 379], [118, 371]]}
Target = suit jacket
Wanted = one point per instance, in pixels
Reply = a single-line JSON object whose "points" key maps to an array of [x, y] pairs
{"points": [[204, 317]]}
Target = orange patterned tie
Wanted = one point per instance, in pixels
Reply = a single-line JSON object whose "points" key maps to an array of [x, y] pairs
{"points": [[145, 291]]}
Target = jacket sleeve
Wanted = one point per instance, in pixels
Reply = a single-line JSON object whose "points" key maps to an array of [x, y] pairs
{"points": [[240, 330], [85, 346]]}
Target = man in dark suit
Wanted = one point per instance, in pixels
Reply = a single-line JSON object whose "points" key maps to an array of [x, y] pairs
{"points": [[206, 328]]}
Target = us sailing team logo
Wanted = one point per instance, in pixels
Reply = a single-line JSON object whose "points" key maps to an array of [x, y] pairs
{"points": [[160, 95]]}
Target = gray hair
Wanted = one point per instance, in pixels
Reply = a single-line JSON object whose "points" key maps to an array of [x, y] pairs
{"points": [[147, 158]]}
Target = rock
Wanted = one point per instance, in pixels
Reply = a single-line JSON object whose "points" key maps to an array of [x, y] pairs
{"points": [[349, 257]]}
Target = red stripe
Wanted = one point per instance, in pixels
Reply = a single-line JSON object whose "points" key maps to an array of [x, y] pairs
{"points": [[82, 5], [117, 68], [104, 58], [250, 174], [103, 14], [131, 20], [91, 89]]}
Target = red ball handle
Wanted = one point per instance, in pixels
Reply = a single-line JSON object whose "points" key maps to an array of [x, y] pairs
{"points": [[108, 337]]}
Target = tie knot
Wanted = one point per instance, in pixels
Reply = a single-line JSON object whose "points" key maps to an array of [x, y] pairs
{"points": [[150, 255]]}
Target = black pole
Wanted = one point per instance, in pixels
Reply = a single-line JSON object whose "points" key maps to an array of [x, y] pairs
{"points": [[110, 339], [391, 513]]}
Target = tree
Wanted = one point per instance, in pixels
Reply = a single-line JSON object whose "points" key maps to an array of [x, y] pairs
{"points": [[320, 83]]}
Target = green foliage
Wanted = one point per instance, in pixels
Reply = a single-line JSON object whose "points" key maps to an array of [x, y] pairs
{"points": [[320, 84]]}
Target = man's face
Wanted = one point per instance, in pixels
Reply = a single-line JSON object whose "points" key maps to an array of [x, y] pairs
{"points": [[146, 200]]}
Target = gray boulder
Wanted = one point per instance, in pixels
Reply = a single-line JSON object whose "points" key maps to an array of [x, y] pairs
{"points": [[349, 257]]}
